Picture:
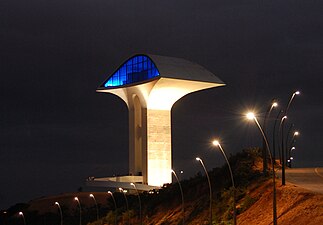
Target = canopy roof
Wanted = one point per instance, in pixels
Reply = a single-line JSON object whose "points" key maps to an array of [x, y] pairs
{"points": [[143, 68]]}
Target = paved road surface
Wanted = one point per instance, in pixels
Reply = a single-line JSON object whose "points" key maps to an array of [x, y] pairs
{"points": [[308, 178]]}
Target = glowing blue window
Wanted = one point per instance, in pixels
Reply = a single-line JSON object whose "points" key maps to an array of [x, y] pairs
{"points": [[136, 69]]}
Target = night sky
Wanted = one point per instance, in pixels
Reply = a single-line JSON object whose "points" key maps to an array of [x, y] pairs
{"points": [[55, 130]]}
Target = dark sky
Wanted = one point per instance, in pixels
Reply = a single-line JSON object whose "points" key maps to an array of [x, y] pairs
{"points": [[55, 130]]}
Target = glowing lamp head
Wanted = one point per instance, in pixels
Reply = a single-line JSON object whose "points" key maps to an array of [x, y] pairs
{"points": [[291, 158], [109, 192], [296, 133], [56, 203], [20, 213], [76, 199], [216, 143], [120, 189], [91, 195], [250, 116], [297, 92], [293, 148], [275, 104], [198, 159], [284, 117]]}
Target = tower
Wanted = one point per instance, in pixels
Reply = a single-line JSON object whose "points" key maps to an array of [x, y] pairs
{"points": [[150, 85]]}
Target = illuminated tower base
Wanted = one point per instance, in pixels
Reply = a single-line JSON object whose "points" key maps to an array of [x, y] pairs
{"points": [[150, 85]]}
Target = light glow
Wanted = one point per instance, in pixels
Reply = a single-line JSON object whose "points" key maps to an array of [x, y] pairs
{"points": [[250, 116], [216, 143], [296, 133], [297, 93], [275, 104], [21, 214]]}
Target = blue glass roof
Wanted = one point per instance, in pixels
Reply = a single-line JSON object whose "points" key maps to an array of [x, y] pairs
{"points": [[136, 69]]}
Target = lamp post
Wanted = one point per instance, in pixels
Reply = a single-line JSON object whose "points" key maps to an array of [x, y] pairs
{"points": [[23, 217], [180, 187], [139, 200], [217, 143], [290, 100], [209, 182], [280, 129], [115, 207], [251, 116], [79, 204], [275, 136], [96, 206], [60, 212], [264, 151], [286, 141], [289, 144], [125, 197], [282, 136]]}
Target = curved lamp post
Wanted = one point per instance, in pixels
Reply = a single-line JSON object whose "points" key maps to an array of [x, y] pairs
{"points": [[79, 204], [275, 136], [217, 143], [274, 104], [23, 217], [290, 101], [60, 212], [139, 200], [96, 206], [125, 197], [251, 116], [209, 182], [280, 129], [180, 187], [282, 136], [115, 207]]}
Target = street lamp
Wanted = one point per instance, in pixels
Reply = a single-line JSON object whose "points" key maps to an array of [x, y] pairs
{"points": [[139, 201], [60, 212], [23, 217], [282, 136], [251, 116], [180, 187], [264, 151], [290, 156], [281, 151], [115, 207], [275, 136], [217, 143], [290, 100], [209, 182], [96, 206], [79, 204], [292, 141], [125, 197]]}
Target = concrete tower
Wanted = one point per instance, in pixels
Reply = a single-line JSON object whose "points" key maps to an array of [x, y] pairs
{"points": [[150, 85]]}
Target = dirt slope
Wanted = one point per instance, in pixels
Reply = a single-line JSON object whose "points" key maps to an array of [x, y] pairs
{"points": [[295, 206]]}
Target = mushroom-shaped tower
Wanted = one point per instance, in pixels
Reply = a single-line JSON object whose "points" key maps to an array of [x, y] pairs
{"points": [[150, 85]]}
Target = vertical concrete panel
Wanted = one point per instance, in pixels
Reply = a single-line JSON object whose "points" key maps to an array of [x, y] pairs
{"points": [[137, 138], [159, 147]]}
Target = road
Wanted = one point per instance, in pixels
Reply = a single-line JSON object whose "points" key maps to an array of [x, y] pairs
{"points": [[308, 178]]}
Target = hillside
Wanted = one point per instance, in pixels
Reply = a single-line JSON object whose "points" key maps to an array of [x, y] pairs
{"points": [[253, 193]]}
